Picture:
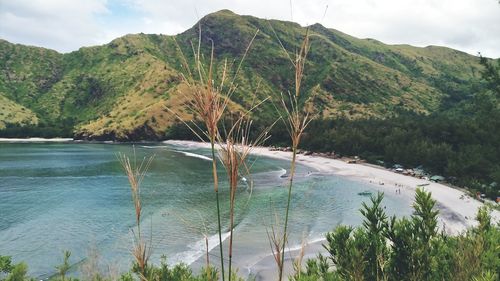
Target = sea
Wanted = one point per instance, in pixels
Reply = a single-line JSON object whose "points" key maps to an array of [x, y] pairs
{"points": [[57, 197]]}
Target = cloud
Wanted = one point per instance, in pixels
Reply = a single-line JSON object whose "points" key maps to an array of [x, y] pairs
{"points": [[57, 24], [468, 25]]}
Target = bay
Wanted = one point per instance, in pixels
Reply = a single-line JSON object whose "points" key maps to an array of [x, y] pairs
{"points": [[76, 197]]}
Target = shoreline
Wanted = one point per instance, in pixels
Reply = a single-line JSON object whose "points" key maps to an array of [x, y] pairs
{"points": [[457, 210]]}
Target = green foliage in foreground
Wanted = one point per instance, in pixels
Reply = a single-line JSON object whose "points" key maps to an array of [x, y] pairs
{"points": [[179, 272], [12, 272], [407, 249]]}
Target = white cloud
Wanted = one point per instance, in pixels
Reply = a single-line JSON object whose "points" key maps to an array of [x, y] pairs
{"points": [[57, 24], [468, 25]]}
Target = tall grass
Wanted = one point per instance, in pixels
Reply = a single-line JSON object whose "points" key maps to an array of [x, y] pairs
{"points": [[275, 238], [142, 250], [233, 153], [297, 264], [201, 228], [296, 121], [209, 100]]}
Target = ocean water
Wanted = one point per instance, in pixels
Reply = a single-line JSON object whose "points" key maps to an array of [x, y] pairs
{"points": [[56, 197]]}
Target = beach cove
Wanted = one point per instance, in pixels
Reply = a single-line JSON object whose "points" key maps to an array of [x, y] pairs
{"points": [[457, 210], [80, 199]]}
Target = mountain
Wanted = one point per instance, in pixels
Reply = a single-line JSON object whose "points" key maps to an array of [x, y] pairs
{"points": [[120, 90]]}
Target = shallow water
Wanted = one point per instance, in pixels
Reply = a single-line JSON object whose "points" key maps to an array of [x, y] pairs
{"points": [[56, 197]]}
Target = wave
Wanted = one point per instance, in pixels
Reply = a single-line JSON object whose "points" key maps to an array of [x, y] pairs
{"points": [[198, 249], [194, 155], [147, 146], [268, 179], [154, 146], [283, 173], [309, 240], [189, 154]]}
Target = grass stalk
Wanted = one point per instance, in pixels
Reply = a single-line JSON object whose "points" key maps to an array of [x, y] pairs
{"points": [[200, 227], [285, 230], [298, 260], [135, 174], [233, 154], [275, 239], [216, 188], [296, 122], [209, 103]]}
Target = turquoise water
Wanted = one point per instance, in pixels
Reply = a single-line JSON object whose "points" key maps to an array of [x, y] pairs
{"points": [[56, 197]]}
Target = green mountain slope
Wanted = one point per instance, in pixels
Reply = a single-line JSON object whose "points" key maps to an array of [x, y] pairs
{"points": [[120, 90], [13, 113]]}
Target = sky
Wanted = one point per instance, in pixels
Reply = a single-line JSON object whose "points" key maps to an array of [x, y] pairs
{"points": [[471, 26]]}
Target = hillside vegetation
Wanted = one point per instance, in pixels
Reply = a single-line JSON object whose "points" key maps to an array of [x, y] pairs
{"points": [[119, 91], [433, 107]]}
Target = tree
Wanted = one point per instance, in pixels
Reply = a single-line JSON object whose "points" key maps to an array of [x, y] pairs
{"points": [[491, 73], [375, 224], [416, 250]]}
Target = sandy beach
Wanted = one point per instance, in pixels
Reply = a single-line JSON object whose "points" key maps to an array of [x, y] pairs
{"points": [[457, 209]]}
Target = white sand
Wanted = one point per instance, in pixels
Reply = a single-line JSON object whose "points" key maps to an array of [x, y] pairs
{"points": [[456, 214], [28, 140]]}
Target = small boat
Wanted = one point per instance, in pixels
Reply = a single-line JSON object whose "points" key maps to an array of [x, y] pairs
{"points": [[365, 193]]}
